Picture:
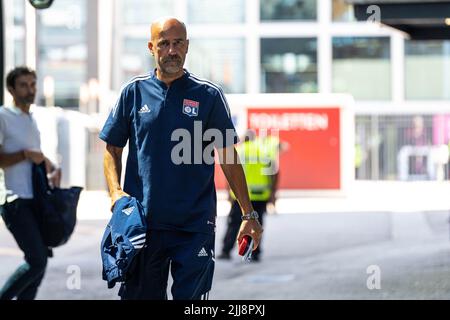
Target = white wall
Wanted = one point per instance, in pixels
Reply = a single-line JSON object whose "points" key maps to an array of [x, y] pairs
{"points": [[64, 141]]}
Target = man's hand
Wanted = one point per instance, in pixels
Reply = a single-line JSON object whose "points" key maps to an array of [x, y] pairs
{"points": [[53, 173], [54, 178], [272, 198], [35, 156], [253, 229], [116, 195]]}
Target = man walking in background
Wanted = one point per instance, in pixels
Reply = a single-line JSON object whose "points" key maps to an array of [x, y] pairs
{"points": [[20, 148]]}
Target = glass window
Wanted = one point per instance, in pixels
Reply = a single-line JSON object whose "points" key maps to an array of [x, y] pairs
{"points": [[144, 12], [19, 52], [425, 58], [362, 67], [19, 12], [14, 37], [136, 58], [289, 65], [19, 32], [219, 60], [216, 11], [342, 11], [135, 18], [288, 10], [62, 50]]}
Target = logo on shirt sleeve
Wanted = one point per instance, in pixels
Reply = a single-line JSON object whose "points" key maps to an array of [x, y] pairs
{"points": [[144, 109], [190, 107]]}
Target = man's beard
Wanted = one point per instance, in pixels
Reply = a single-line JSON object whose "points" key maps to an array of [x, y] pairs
{"points": [[172, 65], [28, 99]]}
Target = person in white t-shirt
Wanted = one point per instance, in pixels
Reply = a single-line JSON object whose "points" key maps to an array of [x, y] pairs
{"points": [[20, 147]]}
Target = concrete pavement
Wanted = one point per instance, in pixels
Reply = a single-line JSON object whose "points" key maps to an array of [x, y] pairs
{"points": [[314, 248], [306, 256]]}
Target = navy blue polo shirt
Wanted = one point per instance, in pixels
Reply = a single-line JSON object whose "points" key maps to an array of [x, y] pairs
{"points": [[172, 132]]}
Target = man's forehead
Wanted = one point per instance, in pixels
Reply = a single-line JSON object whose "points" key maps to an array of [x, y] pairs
{"points": [[174, 32], [26, 78]]}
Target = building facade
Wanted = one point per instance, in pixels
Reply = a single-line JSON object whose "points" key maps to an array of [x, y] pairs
{"points": [[84, 51]]}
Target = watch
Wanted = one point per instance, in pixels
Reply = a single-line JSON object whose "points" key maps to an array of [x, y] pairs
{"points": [[251, 216]]}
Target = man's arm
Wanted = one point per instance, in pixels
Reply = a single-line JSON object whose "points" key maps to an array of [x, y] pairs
{"points": [[273, 187], [112, 166], [232, 168], [10, 159], [282, 147]]}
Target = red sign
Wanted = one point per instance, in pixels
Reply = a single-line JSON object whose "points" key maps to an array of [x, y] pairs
{"points": [[312, 160]]}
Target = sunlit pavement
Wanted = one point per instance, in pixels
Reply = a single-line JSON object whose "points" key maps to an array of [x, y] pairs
{"points": [[391, 254], [361, 196]]}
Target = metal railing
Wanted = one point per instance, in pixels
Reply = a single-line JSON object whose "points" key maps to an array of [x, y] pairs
{"points": [[402, 147]]}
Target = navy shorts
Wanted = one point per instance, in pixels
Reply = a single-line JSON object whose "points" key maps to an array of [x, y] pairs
{"points": [[189, 257]]}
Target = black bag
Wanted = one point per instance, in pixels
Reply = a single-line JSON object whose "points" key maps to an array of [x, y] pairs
{"points": [[56, 208]]}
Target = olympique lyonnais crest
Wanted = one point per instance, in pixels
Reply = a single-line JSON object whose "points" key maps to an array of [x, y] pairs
{"points": [[190, 107]]}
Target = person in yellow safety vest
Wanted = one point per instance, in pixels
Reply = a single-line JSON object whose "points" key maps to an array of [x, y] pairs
{"points": [[259, 158], [358, 158]]}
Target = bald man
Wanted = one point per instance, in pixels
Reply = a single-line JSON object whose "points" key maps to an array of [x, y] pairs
{"points": [[173, 121]]}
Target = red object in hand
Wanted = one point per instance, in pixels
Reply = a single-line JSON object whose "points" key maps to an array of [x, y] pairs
{"points": [[244, 245]]}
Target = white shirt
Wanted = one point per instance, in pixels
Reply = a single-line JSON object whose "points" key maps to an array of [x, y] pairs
{"points": [[18, 131]]}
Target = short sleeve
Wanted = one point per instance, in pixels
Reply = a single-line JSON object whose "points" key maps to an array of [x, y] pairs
{"points": [[2, 130], [117, 126], [220, 119]]}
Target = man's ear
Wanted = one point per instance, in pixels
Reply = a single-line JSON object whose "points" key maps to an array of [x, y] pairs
{"points": [[187, 45], [150, 47], [10, 89]]}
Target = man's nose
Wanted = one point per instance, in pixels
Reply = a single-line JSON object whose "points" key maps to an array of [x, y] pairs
{"points": [[172, 48], [31, 90]]}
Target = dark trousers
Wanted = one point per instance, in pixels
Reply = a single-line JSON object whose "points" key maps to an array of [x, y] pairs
{"points": [[188, 256], [20, 219], [234, 222]]}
